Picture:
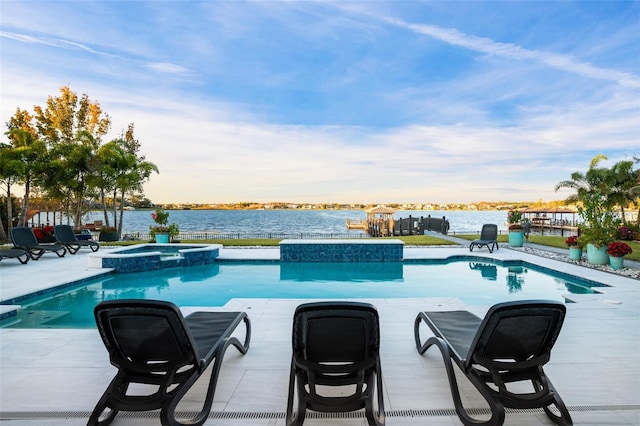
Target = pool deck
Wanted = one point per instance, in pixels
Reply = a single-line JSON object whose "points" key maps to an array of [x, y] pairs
{"points": [[55, 376]]}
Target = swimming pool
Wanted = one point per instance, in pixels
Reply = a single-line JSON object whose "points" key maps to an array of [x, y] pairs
{"points": [[472, 280]]}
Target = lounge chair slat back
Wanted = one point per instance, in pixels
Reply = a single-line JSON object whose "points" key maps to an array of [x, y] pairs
{"points": [[339, 339], [140, 337], [489, 232], [519, 332], [64, 234], [23, 236]]}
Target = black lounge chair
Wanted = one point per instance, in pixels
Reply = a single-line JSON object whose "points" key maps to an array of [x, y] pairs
{"points": [[15, 253], [488, 238], [511, 344], [24, 238], [335, 351], [150, 342], [65, 236]]}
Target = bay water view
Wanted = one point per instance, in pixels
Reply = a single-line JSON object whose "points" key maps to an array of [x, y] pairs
{"points": [[289, 221]]}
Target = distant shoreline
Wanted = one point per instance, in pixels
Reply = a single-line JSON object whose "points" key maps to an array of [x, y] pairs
{"points": [[482, 206]]}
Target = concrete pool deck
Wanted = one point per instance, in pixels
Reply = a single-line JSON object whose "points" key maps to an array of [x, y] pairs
{"points": [[55, 376]]}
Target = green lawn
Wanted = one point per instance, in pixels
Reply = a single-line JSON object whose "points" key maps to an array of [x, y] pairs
{"points": [[413, 240], [557, 241]]}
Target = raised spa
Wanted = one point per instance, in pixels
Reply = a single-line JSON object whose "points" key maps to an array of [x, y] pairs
{"points": [[152, 257]]}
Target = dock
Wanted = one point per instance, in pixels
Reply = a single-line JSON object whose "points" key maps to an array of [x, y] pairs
{"points": [[380, 223], [560, 220]]}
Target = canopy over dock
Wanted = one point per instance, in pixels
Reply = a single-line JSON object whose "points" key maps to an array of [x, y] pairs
{"points": [[379, 221], [554, 219]]}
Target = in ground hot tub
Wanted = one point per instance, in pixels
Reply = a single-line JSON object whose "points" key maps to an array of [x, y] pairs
{"points": [[151, 257]]}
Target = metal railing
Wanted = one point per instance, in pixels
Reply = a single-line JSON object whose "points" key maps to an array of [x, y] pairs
{"points": [[200, 235]]}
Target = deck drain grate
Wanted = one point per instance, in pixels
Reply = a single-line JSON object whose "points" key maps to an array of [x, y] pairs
{"points": [[252, 415]]}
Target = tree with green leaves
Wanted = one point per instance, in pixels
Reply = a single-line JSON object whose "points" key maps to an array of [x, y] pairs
{"points": [[31, 154], [595, 179], [599, 192], [72, 128], [10, 169], [135, 171], [59, 150], [623, 181], [122, 170]]}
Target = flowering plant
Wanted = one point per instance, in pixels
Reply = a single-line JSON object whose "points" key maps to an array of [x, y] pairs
{"points": [[624, 233], [573, 241], [161, 217], [619, 249], [44, 233], [514, 218]]}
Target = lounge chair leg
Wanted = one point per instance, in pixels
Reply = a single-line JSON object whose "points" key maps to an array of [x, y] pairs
{"points": [[497, 409], [101, 406], [298, 418], [35, 254], [376, 418], [564, 418], [167, 413]]}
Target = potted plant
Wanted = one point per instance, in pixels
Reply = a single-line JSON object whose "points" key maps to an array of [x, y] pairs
{"points": [[575, 247], [161, 232], [617, 250], [108, 233], [44, 234], [516, 232], [599, 229]]}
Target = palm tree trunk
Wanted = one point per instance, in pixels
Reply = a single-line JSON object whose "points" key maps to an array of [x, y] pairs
{"points": [[25, 205]]}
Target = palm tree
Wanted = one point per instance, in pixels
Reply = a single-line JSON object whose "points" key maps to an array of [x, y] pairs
{"points": [[623, 181], [594, 180], [10, 169], [120, 172], [31, 152]]}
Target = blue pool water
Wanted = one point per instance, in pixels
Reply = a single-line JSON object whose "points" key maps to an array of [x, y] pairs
{"points": [[472, 281]]}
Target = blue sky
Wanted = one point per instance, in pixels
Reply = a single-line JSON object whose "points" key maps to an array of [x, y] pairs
{"points": [[372, 102]]}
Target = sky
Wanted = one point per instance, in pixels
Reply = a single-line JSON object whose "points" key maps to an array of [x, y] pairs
{"points": [[347, 101]]}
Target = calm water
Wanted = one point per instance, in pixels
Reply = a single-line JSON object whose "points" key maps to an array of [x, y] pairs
{"points": [[289, 221], [214, 285]]}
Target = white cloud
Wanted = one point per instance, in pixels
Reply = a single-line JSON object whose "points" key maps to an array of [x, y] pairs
{"points": [[509, 50], [164, 67]]}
